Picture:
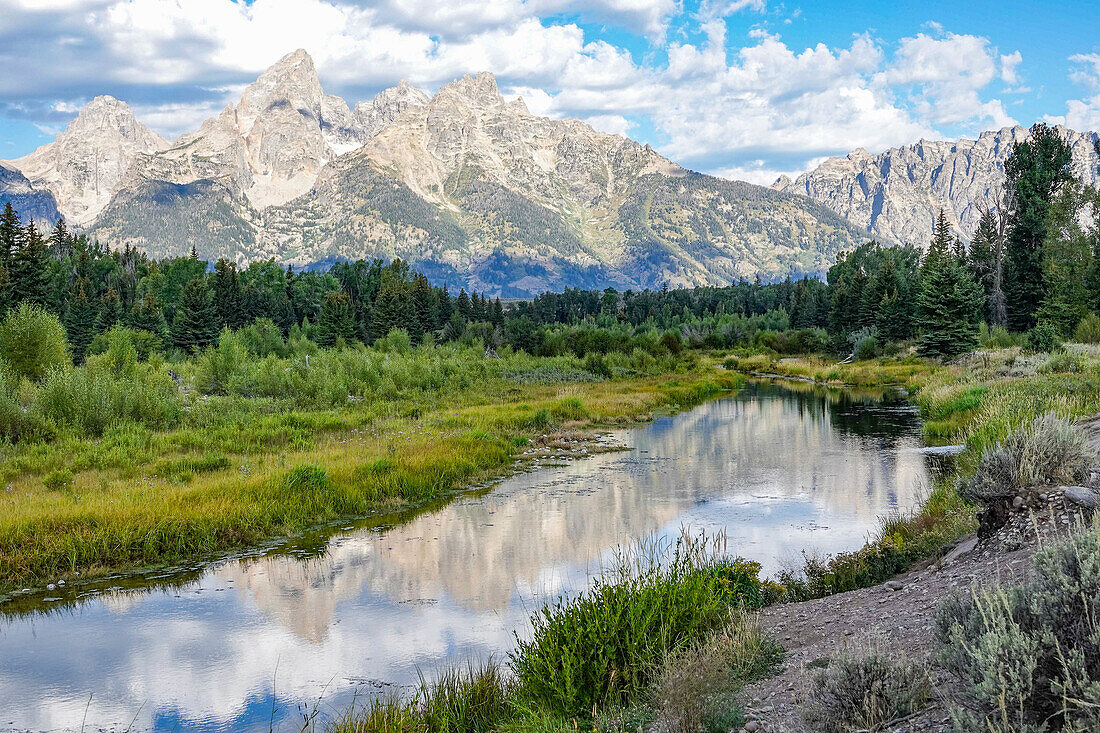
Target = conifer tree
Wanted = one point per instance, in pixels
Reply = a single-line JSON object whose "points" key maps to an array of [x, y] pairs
{"points": [[30, 272], [110, 311], [61, 241], [950, 300], [148, 316], [337, 320], [11, 235], [1037, 168], [80, 321], [195, 325], [982, 259], [228, 297]]}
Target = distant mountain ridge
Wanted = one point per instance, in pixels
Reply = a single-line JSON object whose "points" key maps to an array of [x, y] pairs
{"points": [[464, 184], [896, 195]]}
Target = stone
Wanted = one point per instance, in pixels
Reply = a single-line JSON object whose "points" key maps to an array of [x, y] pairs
{"points": [[1082, 496], [894, 585], [965, 546], [1017, 503], [895, 196], [752, 726]]}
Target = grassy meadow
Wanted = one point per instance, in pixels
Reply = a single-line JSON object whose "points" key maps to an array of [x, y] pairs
{"points": [[115, 469]]}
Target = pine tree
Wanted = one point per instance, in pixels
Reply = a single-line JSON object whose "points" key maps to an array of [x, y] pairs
{"points": [[11, 235], [950, 300], [196, 322], [80, 321], [30, 272], [227, 295], [337, 320], [386, 311], [1067, 259], [983, 259], [61, 241], [1036, 170], [110, 311], [147, 316]]}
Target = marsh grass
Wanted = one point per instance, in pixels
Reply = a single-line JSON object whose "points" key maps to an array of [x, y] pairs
{"points": [[143, 491], [605, 646]]}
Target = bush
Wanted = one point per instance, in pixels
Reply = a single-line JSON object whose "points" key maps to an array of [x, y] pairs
{"points": [[32, 342], [1049, 450], [996, 338], [1088, 330], [865, 343], [1028, 656], [693, 691], [1043, 338], [604, 646], [221, 367], [1061, 363], [865, 692]]}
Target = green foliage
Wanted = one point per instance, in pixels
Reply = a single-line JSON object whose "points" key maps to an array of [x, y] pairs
{"points": [[196, 321], [950, 300], [32, 342], [864, 692], [219, 367], [1088, 330], [695, 689], [1037, 169], [604, 646], [1049, 450], [1027, 657], [337, 321], [1043, 338]]}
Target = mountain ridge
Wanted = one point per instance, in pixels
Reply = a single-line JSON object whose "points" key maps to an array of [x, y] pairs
{"points": [[463, 183], [896, 195]]}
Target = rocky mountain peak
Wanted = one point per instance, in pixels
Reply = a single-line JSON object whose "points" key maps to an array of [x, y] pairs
{"points": [[386, 106], [479, 91], [83, 166], [895, 195]]}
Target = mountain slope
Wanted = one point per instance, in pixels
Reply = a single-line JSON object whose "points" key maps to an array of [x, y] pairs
{"points": [[30, 203], [895, 196], [469, 187], [84, 166]]}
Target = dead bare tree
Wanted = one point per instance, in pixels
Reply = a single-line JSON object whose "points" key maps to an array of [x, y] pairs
{"points": [[1001, 207]]}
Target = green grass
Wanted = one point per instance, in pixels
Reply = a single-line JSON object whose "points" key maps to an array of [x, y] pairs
{"points": [[230, 474], [624, 653]]}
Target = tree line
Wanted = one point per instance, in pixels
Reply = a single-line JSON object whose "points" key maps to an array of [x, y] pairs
{"points": [[1034, 263]]}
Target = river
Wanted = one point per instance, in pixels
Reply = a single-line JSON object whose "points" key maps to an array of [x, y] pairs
{"points": [[259, 642]]}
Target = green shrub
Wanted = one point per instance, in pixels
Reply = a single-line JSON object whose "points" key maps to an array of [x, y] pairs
{"points": [[604, 646], [472, 701], [1043, 338], [695, 686], [58, 479], [90, 398], [864, 692], [865, 343], [220, 368], [996, 338], [32, 342], [1088, 330], [1061, 363], [1027, 657], [1048, 450]]}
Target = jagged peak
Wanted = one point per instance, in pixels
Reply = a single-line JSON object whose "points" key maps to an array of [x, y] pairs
{"points": [[481, 89], [518, 106]]}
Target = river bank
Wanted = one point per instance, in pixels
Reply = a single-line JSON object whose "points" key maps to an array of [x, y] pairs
{"points": [[244, 472]]}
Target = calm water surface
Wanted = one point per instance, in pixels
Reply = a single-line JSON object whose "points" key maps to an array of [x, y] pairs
{"points": [[257, 641]]}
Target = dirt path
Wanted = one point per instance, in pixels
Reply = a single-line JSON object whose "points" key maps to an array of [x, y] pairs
{"points": [[898, 616]]}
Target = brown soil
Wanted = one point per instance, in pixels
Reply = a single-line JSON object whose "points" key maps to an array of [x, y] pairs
{"points": [[897, 616]]}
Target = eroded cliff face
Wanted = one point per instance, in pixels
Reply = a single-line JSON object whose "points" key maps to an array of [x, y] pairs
{"points": [[85, 165], [895, 196]]}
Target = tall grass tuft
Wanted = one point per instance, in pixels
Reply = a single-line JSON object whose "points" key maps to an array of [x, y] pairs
{"points": [[604, 646]]}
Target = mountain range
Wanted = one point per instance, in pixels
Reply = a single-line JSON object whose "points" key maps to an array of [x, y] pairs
{"points": [[896, 196], [474, 190]]}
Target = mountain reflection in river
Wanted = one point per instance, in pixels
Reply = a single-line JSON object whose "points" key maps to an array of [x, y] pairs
{"points": [[777, 469]]}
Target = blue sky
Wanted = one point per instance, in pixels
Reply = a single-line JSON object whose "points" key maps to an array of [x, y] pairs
{"points": [[742, 88]]}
